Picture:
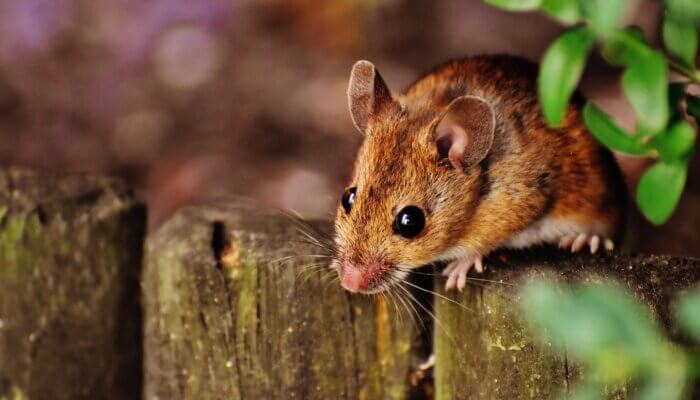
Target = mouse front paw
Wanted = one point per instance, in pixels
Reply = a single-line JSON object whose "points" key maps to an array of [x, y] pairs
{"points": [[456, 272], [577, 242]]}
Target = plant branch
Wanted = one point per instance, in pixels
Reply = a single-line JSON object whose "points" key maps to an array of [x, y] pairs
{"points": [[688, 72]]}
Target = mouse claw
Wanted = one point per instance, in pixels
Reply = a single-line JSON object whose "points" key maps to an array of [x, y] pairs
{"points": [[419, 374], [451, 281], [461, 281], [577, 242], [427, 364], [594, 243], [448, 270], [609, 245], [478, 265], [457, 271], [566, 241]]}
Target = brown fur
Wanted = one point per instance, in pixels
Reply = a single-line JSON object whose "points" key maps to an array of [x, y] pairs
{"points": [[531, 171]]}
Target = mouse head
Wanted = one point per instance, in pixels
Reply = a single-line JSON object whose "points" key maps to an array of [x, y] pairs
{"points": [[415, 181]]}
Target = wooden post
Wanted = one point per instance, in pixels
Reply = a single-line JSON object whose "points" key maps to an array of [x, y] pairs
{"points": [[70, 256], [236, 309], [238, 305], [483, 349]]}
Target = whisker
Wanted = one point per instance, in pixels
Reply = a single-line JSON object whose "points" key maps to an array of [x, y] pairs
{"points": [[440, 296], [308, 272], [395, 278], [479, 282], [317, 264], [419, 304], [313, 240], [400, 301], [415, 315], [330, 251], [300, 257], [388, 295], [305, 226], [489, 281], [411, 271], [315, 270]]}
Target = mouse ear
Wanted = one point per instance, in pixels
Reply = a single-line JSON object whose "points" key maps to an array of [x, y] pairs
{"points": [[367, 94], [464, 134]]}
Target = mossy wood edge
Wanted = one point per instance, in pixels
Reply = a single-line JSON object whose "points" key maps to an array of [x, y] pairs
{"points": [[314, 341], [70, 257], [236, 310], [485, 351]]}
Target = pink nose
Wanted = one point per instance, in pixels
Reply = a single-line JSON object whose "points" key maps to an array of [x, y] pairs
{"points": [[352, 279], [358, 278]]}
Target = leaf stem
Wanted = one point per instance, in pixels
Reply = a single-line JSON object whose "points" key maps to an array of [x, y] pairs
{"points": [[688, 72]]}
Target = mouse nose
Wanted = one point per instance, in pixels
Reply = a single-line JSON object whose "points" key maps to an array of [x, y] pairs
{"points": [[359, 278], [352, 278]]}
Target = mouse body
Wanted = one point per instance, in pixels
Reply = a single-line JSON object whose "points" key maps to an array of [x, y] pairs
{"points": [[462, 163]]}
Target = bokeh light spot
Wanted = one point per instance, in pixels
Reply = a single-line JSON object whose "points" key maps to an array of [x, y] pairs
{"points": [[186, 57]]}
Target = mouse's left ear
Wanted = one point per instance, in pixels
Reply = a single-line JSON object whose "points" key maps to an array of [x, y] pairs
{"points": [[464, 133], [368, 95]]}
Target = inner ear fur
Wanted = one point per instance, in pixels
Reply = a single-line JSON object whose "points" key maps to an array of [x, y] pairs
{"points": [[367, 94], [464, 133]]}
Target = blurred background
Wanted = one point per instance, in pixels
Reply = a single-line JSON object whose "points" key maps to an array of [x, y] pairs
{"points": [[195, 100]]}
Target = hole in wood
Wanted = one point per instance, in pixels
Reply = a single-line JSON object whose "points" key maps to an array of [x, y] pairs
{"points": [[218, 241], [226, 251], [41, 214]]}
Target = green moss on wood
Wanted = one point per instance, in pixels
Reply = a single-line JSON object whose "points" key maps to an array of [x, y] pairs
{"points": [[487, 353], [247, 327], [68, 302]]}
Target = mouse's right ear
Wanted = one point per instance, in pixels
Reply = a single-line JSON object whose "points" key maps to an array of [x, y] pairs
{"points": [[464, 133], [367, 94]]}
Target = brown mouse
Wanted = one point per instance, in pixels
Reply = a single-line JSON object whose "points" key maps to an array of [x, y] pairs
{"points": [[463, 163]]}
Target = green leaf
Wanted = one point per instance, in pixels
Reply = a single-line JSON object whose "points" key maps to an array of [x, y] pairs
{"points": [[631, 321], [676, 142], [646, 88], [515, 5], [669, 376], [623, 47], [660, 189], [681, 39], [669, 389], [688, 312], [693, 103], [566, 11], [562, 66], [603, 15], [586, 391], [598, 325], [609, 134], [687, 11]]}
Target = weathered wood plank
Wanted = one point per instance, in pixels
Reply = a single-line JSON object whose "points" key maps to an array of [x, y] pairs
{"points": [[236, 308], [70, 257], [225, 319], [484, 351]]}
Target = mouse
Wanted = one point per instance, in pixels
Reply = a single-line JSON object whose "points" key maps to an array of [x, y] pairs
{"points": [[462, 163]]}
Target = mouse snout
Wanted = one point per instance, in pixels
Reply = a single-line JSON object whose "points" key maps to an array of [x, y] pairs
{"points": [[359, 278], [351, 278]]}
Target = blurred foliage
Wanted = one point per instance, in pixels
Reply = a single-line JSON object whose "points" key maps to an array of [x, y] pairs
{"points": [[613, 337], [662, 131]]}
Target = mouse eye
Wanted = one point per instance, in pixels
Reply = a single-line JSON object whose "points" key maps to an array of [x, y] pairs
{"points": [[348, 199], [409, 222]]}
